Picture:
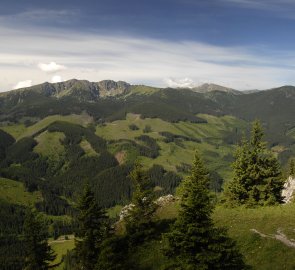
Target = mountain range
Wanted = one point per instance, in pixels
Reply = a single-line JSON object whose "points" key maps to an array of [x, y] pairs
{"points": [[209, 117], [55, 137], [107, 100], [63, 125]]}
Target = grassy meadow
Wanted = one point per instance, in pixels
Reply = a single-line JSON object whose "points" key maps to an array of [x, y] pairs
{"points": [[14, 192], [211, 137], [262, 253]]}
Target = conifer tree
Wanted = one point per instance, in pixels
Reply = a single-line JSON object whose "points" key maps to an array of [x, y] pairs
{"points": [[139, 223], [92, 230], [257, 175], [292, 167], [194, 242], [114, 254], [35, 233]]}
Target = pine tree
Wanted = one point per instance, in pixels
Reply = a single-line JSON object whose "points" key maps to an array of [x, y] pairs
{"points": [[194, 242], [139, 222], [92, 230], [257, 175], [114, 254], [236, 193], [292, 167], [35, 233]]}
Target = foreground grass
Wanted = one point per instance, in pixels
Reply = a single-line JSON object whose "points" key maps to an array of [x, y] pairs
{"points": [[60, 247], [259, 252]]}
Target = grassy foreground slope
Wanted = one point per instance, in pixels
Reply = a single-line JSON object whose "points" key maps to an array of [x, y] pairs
{"points": [[262, 253], [60, 247]]}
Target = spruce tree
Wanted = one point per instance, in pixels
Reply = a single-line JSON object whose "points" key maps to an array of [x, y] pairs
{"points": [[194, 242], [235, 192], [291, 171], [92, 230], [114, 254], [139, 222], [38, 253], [257, 176]]}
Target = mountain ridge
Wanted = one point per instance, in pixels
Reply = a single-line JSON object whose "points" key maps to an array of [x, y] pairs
{"points": [[210, 87], [81, 89], [107, 88]]}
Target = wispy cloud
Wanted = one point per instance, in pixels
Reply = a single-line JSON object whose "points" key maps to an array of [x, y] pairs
{"points": [[51, 67], [43, 16], [96, 57], [283, 7], [182, 83]]}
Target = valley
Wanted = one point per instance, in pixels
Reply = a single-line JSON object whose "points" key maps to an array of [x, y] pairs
{"points": [[54, 138]]}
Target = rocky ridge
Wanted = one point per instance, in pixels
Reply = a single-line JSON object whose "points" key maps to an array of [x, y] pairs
{"points": [[82, 90], [288, 191]]}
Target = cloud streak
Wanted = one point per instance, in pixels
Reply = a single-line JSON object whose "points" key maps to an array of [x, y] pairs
{"points": [[282, 7], [39, 16], [146, 61]]}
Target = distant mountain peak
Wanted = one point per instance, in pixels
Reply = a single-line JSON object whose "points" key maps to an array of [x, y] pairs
{"points": [[82, 90], [209, 87], [110, 87]]}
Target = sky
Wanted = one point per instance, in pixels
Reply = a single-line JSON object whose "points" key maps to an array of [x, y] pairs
{"points": [[243, 44]]}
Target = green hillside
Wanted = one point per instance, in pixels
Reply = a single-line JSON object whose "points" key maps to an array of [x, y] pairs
{"points": [[214, 139], [54, 138], [261, 253], [14, 192]]}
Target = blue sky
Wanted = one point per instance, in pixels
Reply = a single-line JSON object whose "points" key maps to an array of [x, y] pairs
{"points": [[244, 44]]}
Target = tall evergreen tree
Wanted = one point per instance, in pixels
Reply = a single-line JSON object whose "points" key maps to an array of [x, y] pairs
{"points": [[291, 171], [92, 230], [35, 232], [257, 175], [114, 254], [194, 242], [139, 222]]}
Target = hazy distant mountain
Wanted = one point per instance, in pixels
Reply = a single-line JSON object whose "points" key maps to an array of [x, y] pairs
{"points": [[82, 90], [107, 100], [209, 87], [251, 91]]}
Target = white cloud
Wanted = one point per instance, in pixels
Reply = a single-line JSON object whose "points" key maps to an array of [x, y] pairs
{"points": [[51, 67], [97, 57], [23, 84], [56, 79], [181, 83]]}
